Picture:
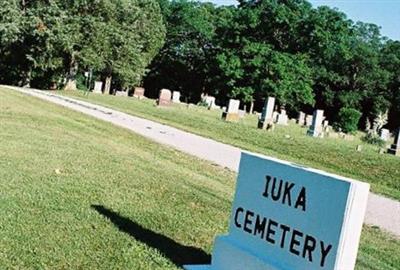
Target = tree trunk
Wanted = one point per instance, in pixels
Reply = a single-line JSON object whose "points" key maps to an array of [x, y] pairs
{"points": [[71, 77], [107, 86]]}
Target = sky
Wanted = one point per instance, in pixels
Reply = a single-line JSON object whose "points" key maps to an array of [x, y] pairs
{"points": [[384, 13]]}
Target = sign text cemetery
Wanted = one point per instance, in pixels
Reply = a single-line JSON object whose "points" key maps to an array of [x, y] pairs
{"points": [[286, 216]]}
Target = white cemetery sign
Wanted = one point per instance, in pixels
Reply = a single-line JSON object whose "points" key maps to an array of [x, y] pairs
{"points": [[287, 216]]}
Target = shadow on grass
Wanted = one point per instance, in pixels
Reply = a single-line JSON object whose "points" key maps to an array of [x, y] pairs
{"points": [[179, 254]]}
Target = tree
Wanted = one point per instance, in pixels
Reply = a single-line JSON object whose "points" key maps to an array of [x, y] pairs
{"points": [[58, 39], [186, 58]]}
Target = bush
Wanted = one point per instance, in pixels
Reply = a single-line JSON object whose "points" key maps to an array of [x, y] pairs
{"points": [[202, 103], [348, 119], [373, 139]]}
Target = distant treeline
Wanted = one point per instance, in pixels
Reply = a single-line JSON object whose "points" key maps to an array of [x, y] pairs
{"points": [[305, 57]]}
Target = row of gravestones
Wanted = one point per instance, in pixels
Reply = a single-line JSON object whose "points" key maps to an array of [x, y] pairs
{"points": [[165, 95], [137, 92], [318, 126]]}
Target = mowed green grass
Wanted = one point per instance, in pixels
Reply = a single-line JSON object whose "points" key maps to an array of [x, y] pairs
{"points": [[78, 193], [330, 154]]}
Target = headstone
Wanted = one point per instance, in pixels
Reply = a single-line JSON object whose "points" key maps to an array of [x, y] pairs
{"points": [[107, 86], [242, 113], [121, 93], [164, 98], [309, 119], [282, 118], [359, 148], [232, 112], [325, 123], [385, 134], [210, 101], [316, 129], [98, 87], [267, 114], [275, 115], [176, 97], [138, 92], [286, 216], [395, 148], [301, 120]]}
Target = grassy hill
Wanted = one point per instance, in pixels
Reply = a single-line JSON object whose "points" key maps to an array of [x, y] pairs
{"points": [[78, 193], [329, 154]]}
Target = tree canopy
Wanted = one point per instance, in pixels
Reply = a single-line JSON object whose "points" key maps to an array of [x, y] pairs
{"points": [[45, 42], [305, 57]]}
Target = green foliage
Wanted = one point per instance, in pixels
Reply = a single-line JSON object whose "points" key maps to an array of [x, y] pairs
{"points": [[185, 60], [374, 140], [55, 40], [348, 120]]}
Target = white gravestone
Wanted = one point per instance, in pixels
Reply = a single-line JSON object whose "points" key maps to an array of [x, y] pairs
{"points": [[309, 119], [316, 129], [395, 148], [98, 87], [210, 101], [232, 112], [301, 119], [385, 134], [267, 113], [282, 118], [286, 216], [233, 106], [121, 93], [275, 115], [176, 97]]}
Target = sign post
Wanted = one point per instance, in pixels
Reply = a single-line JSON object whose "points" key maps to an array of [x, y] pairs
{"points": [[286, 216]]}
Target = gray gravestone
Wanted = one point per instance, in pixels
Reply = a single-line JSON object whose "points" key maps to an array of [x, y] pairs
{"points": [[316, 129], [267, 114], [395, 148]]}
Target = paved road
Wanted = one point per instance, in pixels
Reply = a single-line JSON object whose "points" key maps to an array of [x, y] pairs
{"points": [[381, 211]]}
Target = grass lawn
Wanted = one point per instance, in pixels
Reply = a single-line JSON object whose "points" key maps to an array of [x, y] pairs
{"points": [[78, 193], [329, 154]]}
